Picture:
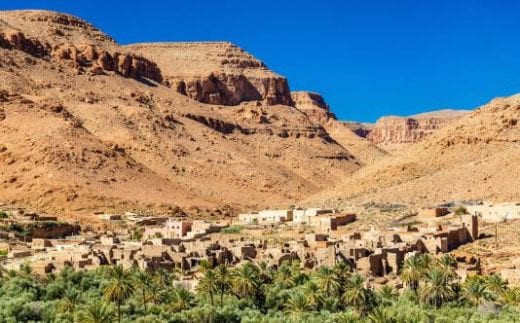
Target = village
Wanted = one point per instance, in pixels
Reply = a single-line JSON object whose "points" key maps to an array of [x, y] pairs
{"points": [[312, 237]]}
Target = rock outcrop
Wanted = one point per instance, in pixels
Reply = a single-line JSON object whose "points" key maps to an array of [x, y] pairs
{"points": [[98, 61], [107, 142], [216, 73], [406, 130], [87, 57], [314, 106]]}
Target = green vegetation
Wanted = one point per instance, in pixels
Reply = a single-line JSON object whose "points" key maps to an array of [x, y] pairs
{"points": [[460, 210], [256, 293], [232, 229], [3, 215]]}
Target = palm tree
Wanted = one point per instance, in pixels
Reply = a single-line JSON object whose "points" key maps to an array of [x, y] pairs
{"points": [[327, 281], [96, 312], [412, 272], [496, 285], [426, 260], [69, 302], [475, 290], [165, 277], [511, 296], [447, 263], [182, 299], [380, 315], [436, 291], [155, 292], [223, 281], [313, 293], [387, 295], [342, 271], [245, 280], [297, 303], [143, 281], [119, 288], [284, 276], [208, 285], [357, 295]]}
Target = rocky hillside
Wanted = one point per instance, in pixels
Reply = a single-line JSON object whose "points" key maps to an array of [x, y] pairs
{"points": [[394, 131], [216, 73], [314, 106], [89, 125], [474, 157]]}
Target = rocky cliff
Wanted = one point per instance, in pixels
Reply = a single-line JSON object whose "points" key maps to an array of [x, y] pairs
{"points": [[405, 130], [216, 73], [474, 157], [314, 106], [87, 124]]}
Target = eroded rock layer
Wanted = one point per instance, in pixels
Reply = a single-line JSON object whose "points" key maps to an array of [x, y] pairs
{"points": [[216, 73]]}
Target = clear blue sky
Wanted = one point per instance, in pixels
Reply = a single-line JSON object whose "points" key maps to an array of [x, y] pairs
{"points": [[368, 58]]}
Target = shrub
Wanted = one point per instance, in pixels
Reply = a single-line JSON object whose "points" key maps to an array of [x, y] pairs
{"points": [[460, 210], [232, 229]]}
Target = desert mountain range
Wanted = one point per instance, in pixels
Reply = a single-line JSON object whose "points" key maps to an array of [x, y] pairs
{"points": [[206, 128]]}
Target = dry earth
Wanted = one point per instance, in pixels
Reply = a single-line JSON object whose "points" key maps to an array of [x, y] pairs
{"points": [[89, 125]]}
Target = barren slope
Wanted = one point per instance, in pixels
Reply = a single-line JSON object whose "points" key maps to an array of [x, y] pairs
{"points": [[315, 107], [475, 157], [88, 125]]}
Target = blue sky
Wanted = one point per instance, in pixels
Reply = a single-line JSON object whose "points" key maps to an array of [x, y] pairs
{"points": [[367, 58]]}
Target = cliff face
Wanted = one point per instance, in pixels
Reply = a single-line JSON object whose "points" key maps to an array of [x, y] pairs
{"points": [[406, 130], [216, 73], [91, 57], [111, 133], [475, 157], [314, 106]]}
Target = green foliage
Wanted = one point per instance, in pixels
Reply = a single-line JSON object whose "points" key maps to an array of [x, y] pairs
{"points": [[460, 210], [3, 215], [257, 293], [232, 229]]}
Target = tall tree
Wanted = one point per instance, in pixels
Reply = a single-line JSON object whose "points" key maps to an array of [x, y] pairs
{"points": [[297, 304], [412, 272], [327, 280], [357, 295], [245, 280], [436, 290], [119, 288], [208, 285], [71, 299], [143, 281], [313, 293], [182, 299], [96, 312], [223, 281]]}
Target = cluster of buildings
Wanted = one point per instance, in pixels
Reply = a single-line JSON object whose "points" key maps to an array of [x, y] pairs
{"points": [[180, 244], [324, 220]]}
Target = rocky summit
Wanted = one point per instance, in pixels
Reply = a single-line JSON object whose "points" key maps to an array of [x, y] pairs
{"points": [[207, 128], [88, 124]]}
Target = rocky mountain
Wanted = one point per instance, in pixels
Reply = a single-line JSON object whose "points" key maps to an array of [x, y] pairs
{"points": [[314, 106], [475, 157], [393, 131], [87, 124], [216, 73]]}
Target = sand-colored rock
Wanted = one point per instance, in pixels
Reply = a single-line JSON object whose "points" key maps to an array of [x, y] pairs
{"points": [[473, 158], [394, 131], [86, 127], [314, 106], [216, 73]]}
